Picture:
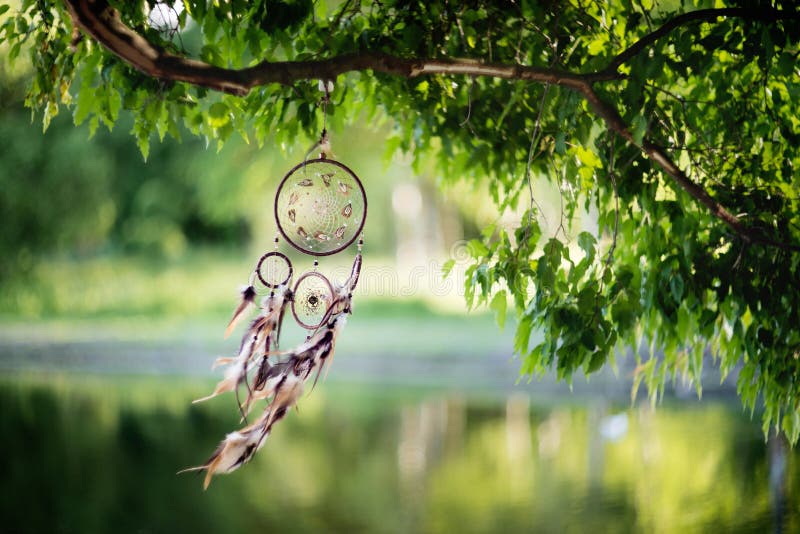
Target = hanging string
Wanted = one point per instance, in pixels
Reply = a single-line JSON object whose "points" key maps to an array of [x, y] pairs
{"points": [[326, 86]]}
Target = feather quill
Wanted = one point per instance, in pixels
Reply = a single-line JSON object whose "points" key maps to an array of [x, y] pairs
{"points": [[248, 300]]}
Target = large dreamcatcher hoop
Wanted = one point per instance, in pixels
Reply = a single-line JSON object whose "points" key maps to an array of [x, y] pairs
{"points": [[320, 207]]}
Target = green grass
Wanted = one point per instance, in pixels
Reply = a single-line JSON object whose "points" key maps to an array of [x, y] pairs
{"points": [[201, 281], [141, 299]]}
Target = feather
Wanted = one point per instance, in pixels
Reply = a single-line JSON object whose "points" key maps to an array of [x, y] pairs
{"points": [[282, 382], [261, 388], [235, 450], [287, 298], [248, 299], [354, 274], [319, 349], [225, 360], [266, 390], [238, 367], [339, 324], [262, 372], [287, 391], [239, 447], [255, 342], [231, 379]]}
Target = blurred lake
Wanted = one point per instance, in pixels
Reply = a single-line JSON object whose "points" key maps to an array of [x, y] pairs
{"points": [[86, 452], [423, 425]]}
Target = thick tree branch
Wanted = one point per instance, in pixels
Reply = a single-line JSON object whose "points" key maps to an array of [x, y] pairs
{"points": [[614, 121], [103, 23]]}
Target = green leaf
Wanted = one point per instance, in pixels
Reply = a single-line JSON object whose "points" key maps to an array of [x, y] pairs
{"points": [[423, 87], [791, 425], [114, 104], [50, 111], [587, 300], [477, 249], [786, 64], [523, 335], [447, 267], [498, 304], [638, 129], [676, 287], [84, 105], [218, 115], [144, 146], [587, 157], [587, 243], [597, 46], [596, 361]]}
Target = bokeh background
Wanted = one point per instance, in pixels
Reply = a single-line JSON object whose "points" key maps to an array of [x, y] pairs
{"points": [[117, 279]]}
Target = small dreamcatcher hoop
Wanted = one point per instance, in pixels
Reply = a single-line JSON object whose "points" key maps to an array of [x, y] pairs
{"points": [[274, 269], [313, 295], [320, 207]]}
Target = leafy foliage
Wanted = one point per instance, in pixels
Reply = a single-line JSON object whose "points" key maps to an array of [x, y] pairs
{"points": [[663, 274], [56, 200]]}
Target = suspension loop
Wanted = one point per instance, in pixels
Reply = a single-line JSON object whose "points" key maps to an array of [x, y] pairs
{"points": [[326, 86], [324, 145]]}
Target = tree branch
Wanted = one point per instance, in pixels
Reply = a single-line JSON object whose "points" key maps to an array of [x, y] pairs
{"points": [[103, 23], [763, 14], [660, 156]]}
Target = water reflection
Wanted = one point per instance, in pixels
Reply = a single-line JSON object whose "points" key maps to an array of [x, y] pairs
{"points": [[100, 455]]}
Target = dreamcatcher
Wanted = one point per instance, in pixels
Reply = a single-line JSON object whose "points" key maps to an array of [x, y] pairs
{"points": [[320, 209]]}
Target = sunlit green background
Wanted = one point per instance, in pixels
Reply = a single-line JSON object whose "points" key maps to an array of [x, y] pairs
{"points": [[116, 281]]}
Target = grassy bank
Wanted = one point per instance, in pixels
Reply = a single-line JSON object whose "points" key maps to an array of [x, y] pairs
{"points": [[188, 300]]}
